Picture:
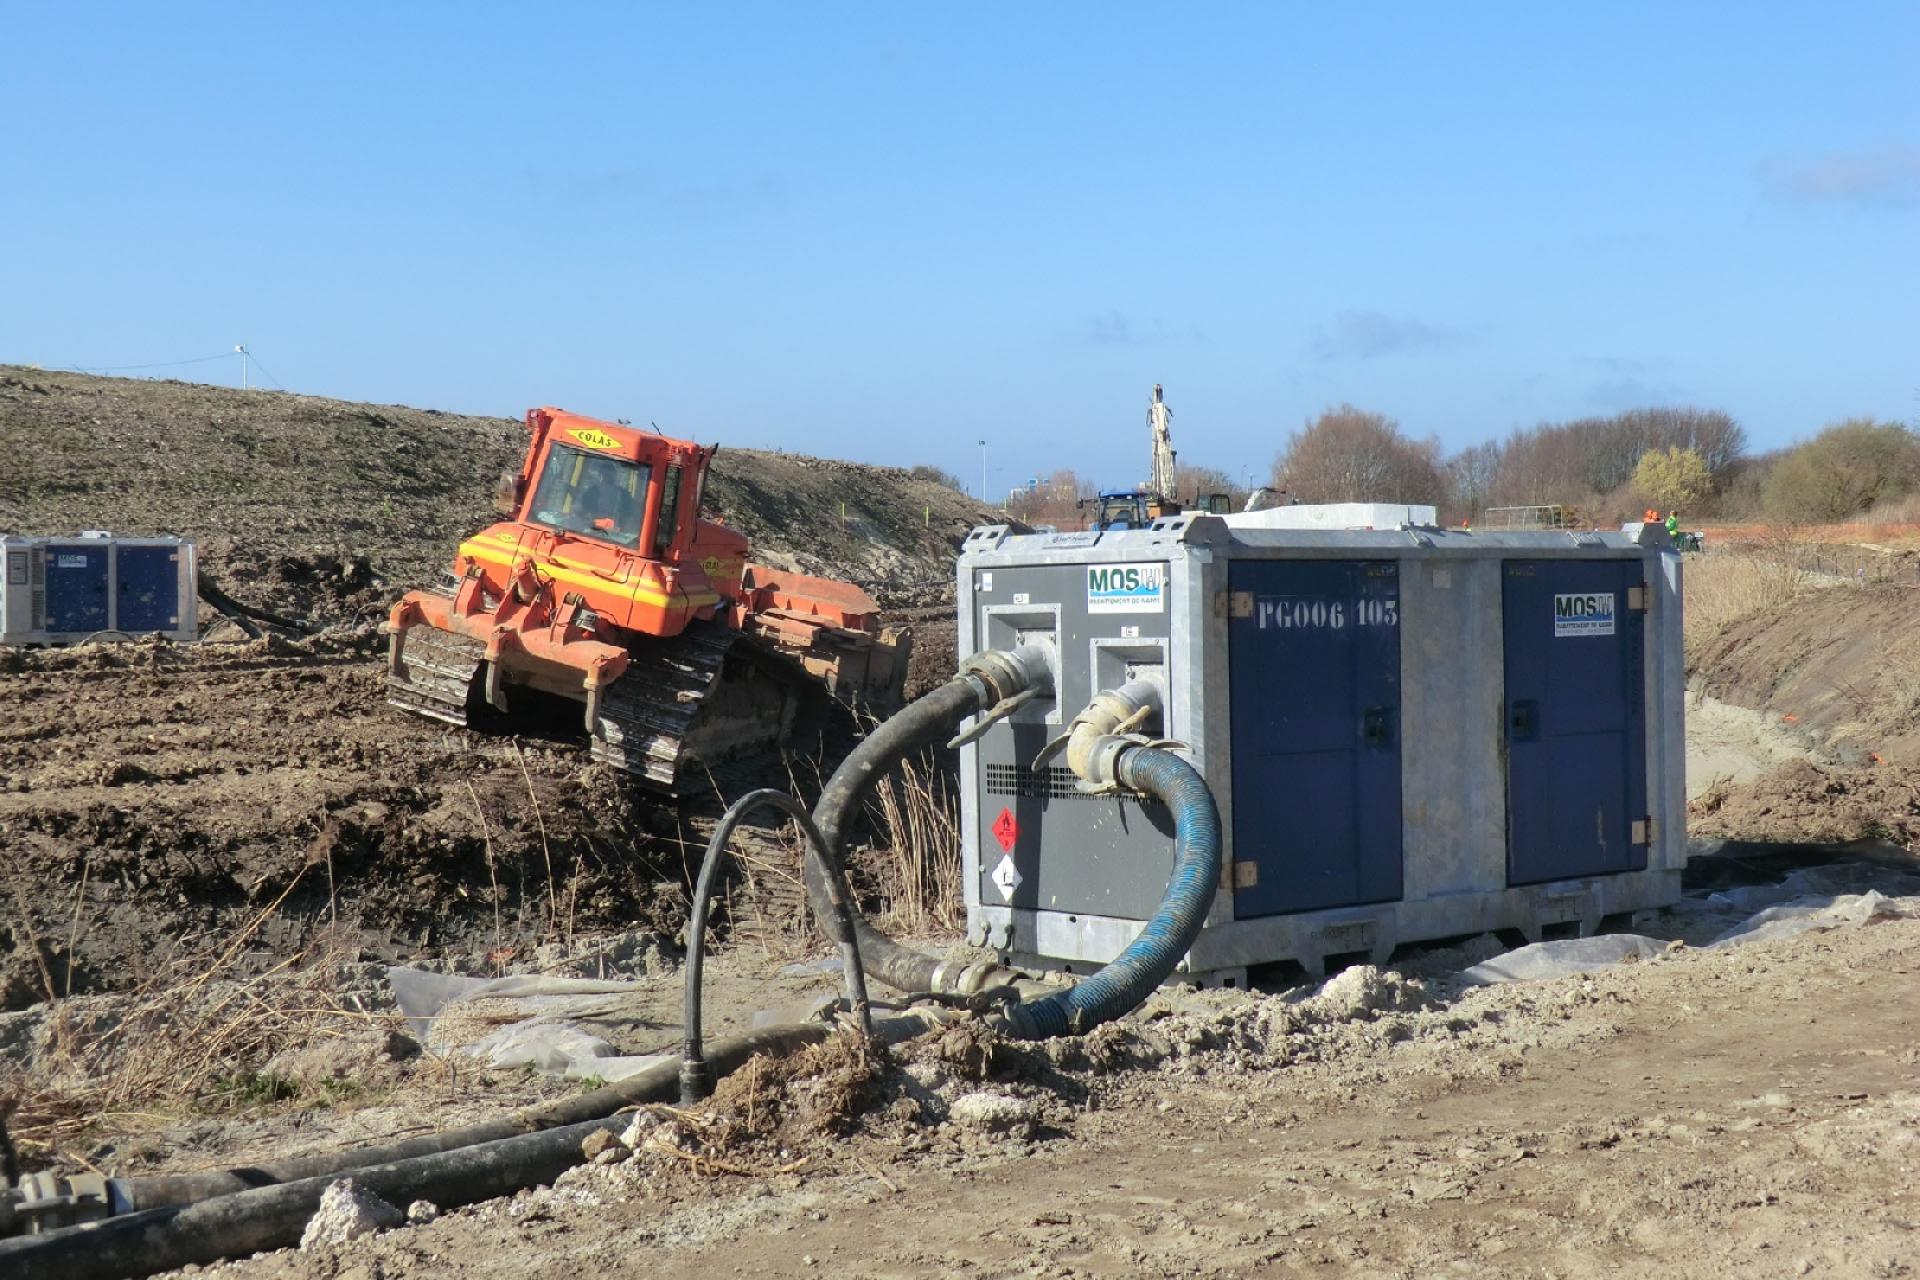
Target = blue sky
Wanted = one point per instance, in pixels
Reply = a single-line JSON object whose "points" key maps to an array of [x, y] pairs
{"points": [[885, 232]]}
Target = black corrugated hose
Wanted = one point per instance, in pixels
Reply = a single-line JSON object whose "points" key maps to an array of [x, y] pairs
{"points": [[926, 722], [1120, 986], [696, 1078]]}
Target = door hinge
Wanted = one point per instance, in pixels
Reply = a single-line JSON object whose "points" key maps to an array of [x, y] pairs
{"points": [[1246, 875], [1638, 598], [1239, 604], [1645, 831]]}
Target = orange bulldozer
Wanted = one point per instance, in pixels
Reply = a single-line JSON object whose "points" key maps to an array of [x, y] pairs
{"points": [[605, 586]]}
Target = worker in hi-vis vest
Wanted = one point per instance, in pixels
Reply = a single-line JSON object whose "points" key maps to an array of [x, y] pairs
{"points": [[1673, 527]]}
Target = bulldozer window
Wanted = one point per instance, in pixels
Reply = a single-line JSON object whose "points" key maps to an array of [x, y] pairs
{"points": [[669, 509], [591, 494]]}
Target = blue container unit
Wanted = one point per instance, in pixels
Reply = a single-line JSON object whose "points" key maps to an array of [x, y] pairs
{"points": [[67, 590], [1411, 733]]}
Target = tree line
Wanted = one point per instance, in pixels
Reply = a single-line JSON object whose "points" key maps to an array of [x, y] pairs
{"points": [[1602, 470], [1598, 470]]}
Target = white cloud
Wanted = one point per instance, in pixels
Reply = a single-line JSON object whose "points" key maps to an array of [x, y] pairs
{"points": [[1882, 177]]}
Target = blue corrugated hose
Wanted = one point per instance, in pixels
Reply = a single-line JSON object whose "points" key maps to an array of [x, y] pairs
{"points": [[1120, 987]]}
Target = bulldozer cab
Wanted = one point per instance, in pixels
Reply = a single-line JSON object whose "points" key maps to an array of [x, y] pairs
{"points": [[611, 484]]}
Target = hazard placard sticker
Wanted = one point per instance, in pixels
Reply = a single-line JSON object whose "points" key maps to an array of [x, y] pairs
{"points": [[1006, 829], [1583, 613], [1006, 876]]}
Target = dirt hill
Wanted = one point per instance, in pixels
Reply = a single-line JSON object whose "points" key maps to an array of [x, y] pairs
{"points": [[334, 507]]}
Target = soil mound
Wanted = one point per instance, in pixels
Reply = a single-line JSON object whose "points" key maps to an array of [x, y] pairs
{"points": [[1804, 802], [1839, 661], [330, 509]]}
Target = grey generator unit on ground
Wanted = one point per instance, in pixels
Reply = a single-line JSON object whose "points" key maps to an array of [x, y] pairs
{"points": [[66, 590], [1411, 733]]}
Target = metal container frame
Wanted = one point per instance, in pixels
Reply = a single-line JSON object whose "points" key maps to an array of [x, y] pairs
{"points": [[1452, 726]]}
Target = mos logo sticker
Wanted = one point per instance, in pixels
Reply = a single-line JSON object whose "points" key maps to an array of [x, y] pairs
{"points": [[594, 439], [1583, 613], [1126, 588]]}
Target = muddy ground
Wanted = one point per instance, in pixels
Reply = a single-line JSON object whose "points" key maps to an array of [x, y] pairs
{"points": [[154, 797], [1815, 700], [1749, 1112]]}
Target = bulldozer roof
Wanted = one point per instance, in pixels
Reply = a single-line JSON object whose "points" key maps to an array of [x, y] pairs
{"points": [[616, 438]]}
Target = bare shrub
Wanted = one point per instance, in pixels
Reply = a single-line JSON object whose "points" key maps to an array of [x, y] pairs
{"points": [[1843, 471], [919, 871], [1672, 478], [1350, 455]]}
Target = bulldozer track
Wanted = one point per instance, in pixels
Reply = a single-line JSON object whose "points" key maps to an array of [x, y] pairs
{"points": [[646, 714], [650, 721], [435, 673]]}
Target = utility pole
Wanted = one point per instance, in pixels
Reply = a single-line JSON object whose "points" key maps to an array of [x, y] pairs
{"points": [[241, 347], [983, 471]]}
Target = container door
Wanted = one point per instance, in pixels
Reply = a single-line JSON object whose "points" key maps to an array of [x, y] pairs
{"points": [[1314, 658], [149, 594], [1575, 719], [76, 587]]}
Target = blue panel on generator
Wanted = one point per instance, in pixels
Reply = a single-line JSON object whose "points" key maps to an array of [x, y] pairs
{"points": [[1314, 660], [76, 588], [1575, 719], [149, 579]]}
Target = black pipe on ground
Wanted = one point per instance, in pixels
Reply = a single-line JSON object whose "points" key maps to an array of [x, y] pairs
{"points": [[656, 1084], [926, 722], [274, 1216]]}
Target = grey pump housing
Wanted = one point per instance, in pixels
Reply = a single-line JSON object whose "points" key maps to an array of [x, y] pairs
{"points": [[1412, 733]]}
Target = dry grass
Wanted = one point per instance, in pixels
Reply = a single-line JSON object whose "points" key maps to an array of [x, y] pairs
{"points": [[919, 869], [193, 1036], [1724, 587]]}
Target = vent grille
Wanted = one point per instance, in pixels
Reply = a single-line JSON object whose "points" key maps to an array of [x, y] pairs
{"points": [[1046, 784], [37, 588]]}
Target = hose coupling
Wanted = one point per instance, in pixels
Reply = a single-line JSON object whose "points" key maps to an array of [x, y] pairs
{"points": [[46, 1201], [1008, 673], [1105, 731], [696, 1080]]}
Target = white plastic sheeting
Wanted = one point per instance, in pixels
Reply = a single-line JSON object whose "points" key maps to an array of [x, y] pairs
{"points": [[545, 1038], [1813, 913], [1569, 955], [1783, 920]]}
